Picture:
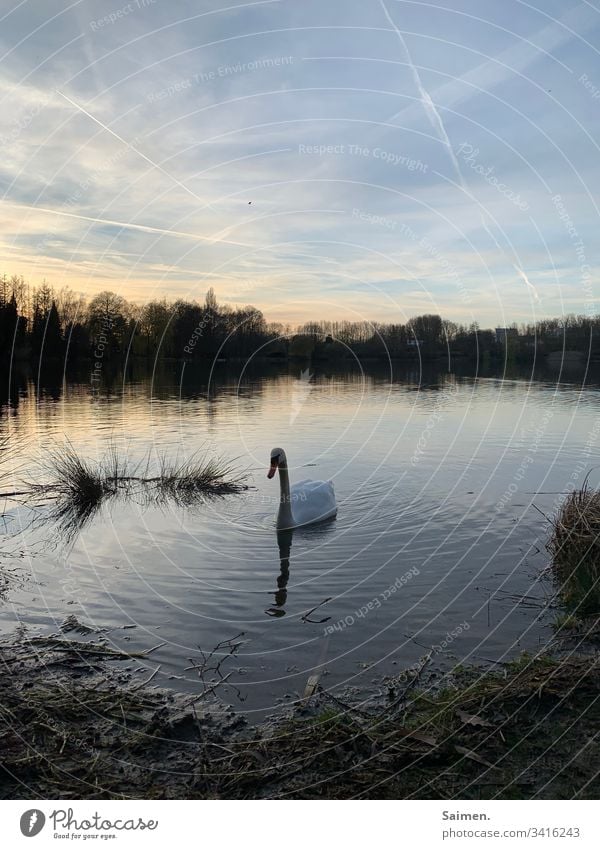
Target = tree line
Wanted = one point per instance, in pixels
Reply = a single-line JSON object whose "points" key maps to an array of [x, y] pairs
{"points": [[43, 324]]}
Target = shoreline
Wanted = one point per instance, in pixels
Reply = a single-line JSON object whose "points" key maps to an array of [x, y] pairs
{"points": [[75, 727]]}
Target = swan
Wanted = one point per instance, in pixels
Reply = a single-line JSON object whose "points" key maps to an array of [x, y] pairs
{"points": [[306, 502]]}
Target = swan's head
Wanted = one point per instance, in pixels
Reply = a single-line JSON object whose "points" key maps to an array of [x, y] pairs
{"points": [[277, 459]]}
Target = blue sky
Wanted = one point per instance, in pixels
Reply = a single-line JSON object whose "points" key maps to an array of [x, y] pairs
{"points": [[399, 157]]}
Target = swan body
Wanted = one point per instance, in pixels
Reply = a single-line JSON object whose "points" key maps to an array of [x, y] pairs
{"points": [[305, 502]]}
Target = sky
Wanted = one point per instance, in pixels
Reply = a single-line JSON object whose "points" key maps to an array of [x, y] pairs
{"points": [[347, 159]]}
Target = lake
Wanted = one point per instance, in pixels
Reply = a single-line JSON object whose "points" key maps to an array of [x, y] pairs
{"points": [[436, 542]]}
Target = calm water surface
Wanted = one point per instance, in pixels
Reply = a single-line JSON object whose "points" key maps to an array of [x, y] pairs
{"points": [[435, 475]]}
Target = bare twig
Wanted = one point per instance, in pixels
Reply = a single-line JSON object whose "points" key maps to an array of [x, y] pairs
{"points": [[305, 616]]}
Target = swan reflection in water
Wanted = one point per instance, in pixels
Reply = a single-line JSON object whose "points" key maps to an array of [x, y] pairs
{"points": [[284, 543], [306, 503], [316, 533]]}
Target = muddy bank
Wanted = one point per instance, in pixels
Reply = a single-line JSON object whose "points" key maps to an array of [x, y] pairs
{"points": [[75, 724]]}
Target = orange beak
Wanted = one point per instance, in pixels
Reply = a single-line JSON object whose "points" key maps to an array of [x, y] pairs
{"points": [[272, 469]]}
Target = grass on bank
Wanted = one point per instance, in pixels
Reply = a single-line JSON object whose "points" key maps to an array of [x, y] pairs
{"points": [[575, 549], [528, 731]]}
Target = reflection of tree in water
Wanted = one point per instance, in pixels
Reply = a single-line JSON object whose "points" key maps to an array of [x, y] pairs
{"points": [[12, 390], [9, 573]]}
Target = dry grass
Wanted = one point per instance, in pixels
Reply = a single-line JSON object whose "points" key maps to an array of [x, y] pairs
{"points": [[487, 735], [80, 485], [530, 731], [70, 727], [575, 549], [3, 454], [76, 480], [189, 480], [9, 575]]}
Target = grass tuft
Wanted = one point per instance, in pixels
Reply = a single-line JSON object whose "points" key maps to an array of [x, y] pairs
{"points": [[187, 481], [81, 486], [575, 549]]}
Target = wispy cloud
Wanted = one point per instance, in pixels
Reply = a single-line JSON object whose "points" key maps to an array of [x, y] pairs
{"points": [[175, 154]]}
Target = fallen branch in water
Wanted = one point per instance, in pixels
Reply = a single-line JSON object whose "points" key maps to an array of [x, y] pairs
{"points": [[305, 616], [417, 674]]}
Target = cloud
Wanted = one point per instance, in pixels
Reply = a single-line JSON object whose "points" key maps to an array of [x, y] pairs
{"points": [[170, 121]]}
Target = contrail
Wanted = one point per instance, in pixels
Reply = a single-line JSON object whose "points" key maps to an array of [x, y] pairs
{"points": [[519, 270], [144, 228], [516, 58], [438, 125], [134, 149], [428, 104], [524, 277]]}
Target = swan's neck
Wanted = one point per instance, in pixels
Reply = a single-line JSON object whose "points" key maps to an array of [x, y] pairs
{"points": [[285, 518]]}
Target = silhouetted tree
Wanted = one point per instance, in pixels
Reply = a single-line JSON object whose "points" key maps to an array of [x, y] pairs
{"points": [[39, 322], [107, 320], [9, 322]]}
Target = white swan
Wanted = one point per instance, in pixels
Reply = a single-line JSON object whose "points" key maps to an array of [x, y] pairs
{"points": [[306, 502]]}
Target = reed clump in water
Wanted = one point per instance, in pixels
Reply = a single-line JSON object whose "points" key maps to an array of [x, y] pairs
{"points": [[189, 480], [78, 482], [575, 549], [81, 485]]}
